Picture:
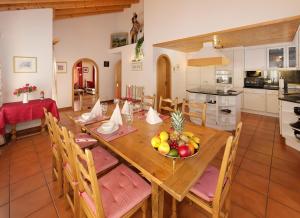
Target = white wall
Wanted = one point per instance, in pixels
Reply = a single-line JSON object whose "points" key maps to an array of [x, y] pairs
{"points": [[170, 20], [89, 75], [26, 33], [85, 37]]}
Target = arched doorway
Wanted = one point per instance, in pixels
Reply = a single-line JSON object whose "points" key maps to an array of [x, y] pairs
{"points": [[85, 84], [163, 77]]}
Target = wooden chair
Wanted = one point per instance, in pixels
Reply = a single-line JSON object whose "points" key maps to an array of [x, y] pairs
{"points": [[104, 162], [172, 104], [148, 101], [56, 153], [217, 182], [108, 196], [191, 110]]}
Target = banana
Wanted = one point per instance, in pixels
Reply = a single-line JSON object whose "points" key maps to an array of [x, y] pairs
{"points": [[196, 139], [188, 134], [184, 138], [196, 146]]}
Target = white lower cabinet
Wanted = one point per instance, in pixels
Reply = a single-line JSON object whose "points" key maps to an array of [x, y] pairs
{"points": [[261, 101], [272, 101], [255, 99]]}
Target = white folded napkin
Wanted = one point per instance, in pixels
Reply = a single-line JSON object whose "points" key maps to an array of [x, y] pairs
{"points": [[95, 112], [153, 117], [125, 109], [116, 116]]}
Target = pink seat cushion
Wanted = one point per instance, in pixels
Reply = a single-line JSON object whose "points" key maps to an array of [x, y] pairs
{"points": [[206, 185], [121, 190], [103, 159], [85, 140]]}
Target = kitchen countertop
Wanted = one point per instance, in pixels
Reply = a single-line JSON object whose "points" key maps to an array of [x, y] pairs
{"points": [[214, 92], [293, 95]]}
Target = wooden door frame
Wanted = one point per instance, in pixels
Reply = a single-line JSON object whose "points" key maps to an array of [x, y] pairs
{"points": [[97, 76], [169, 72], [118, 62]]}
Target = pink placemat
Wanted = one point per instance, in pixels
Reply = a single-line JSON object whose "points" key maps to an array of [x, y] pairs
{"points": [[99, 119], [122, 131], [142, 115]]}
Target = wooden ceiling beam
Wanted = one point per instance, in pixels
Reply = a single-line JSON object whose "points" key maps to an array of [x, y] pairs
{"points": [[65, 16], [89, 10], [66, 5]]}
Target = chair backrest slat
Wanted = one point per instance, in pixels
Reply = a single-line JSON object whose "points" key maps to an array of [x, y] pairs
{"points": [[87, 179], [225, 175], [195, 110], [172, 104], [148, 101]]}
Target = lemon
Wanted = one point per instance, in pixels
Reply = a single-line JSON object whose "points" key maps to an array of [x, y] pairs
{"points": [[155, 141], [164, 136]]}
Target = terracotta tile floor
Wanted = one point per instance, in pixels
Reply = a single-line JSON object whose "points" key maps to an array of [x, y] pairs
{"points": [[266, 173]]}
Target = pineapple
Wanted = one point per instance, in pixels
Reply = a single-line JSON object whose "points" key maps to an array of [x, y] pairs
{"points": [[177, 120]]}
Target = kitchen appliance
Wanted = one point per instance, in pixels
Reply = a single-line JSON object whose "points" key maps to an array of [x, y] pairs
{"points": [[223, 77], [252, 73], [296, 126], [254, 82]]}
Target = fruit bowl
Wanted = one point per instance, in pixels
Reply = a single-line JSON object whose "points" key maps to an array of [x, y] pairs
{"points": [[175, 145]]}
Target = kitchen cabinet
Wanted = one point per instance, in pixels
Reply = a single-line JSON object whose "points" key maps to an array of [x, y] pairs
{"points": [[255, 58], [291, 56], [282, 57], [272, 104], [276, 57], [255, 99], [238, 68]]}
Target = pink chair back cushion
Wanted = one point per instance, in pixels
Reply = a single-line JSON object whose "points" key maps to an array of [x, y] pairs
{"points": [[121, 190], [206, 185], [103, 159]]}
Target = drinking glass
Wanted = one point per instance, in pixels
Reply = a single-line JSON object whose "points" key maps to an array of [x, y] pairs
{"points": [[104, 108], [129, 116]]}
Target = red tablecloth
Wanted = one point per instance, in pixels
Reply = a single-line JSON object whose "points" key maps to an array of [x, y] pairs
{"points": [[17, 112]]}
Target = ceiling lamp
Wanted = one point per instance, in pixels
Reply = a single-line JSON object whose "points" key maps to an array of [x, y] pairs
{"points": [[217, 42]]}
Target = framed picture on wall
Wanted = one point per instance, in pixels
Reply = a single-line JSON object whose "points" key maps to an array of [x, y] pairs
{"points": [[25, 64], [85, 69], [61, 67], [119, 39]]}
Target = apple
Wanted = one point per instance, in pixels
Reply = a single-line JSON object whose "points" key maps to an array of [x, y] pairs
{"points": [[184, 151], [164, 148]]}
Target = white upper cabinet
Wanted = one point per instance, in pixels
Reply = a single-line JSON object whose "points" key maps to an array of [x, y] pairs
{"points": [[292, 56], [282, 57], [276, 58], [255, 59]]}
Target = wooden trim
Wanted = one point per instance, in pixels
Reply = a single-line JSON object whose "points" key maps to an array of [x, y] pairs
{"points": [[97, 77], [170, 77], [64, 109], [199, 62], [274, 31]]}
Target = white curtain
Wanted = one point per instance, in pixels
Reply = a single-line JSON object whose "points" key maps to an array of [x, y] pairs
{"points": [[54, 79]]}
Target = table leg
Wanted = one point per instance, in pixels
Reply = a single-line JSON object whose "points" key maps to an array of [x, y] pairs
{"points": [[157, 201], [13, 132], [174, 208], [43, 125]]}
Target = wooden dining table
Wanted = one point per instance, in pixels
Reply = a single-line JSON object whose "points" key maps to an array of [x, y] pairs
{"points": [[175, 177]]}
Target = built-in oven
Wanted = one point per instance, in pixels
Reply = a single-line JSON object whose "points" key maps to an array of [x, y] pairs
{"points": [[254, 79]]}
